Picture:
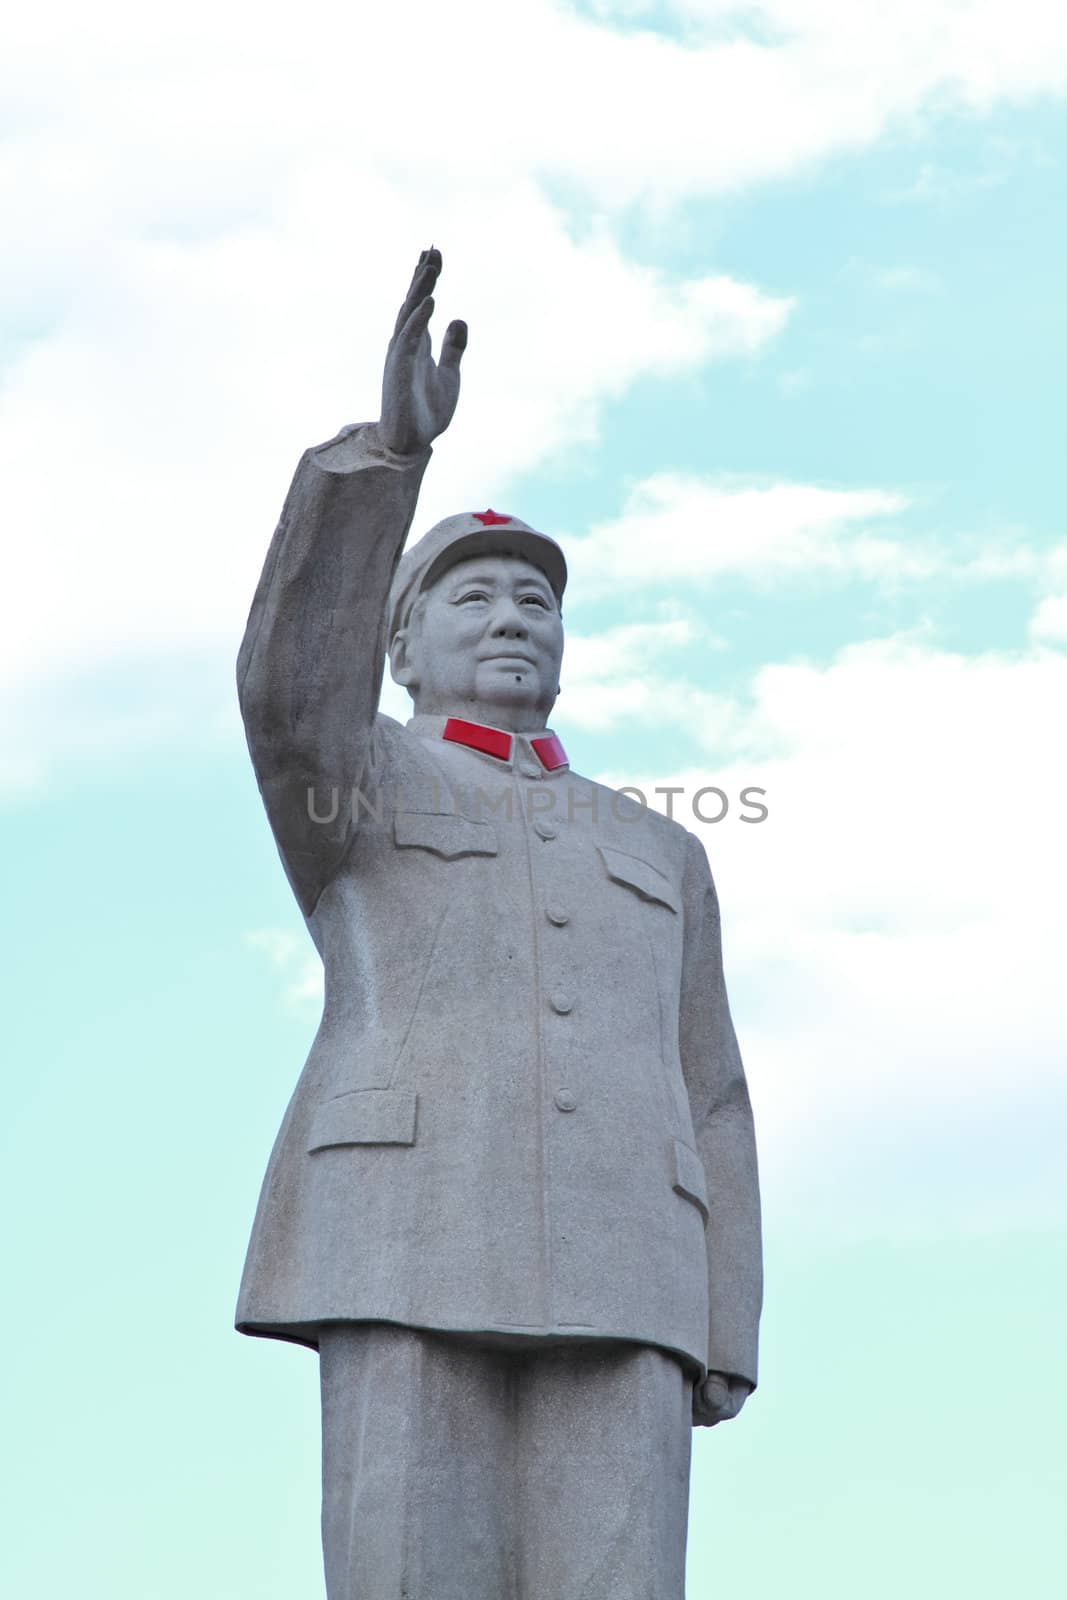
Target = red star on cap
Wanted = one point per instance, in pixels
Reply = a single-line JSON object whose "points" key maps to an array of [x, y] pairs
{"points": [[490, 518]]}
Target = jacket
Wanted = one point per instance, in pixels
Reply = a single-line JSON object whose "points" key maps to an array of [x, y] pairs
{"points": [[524, 1115]]}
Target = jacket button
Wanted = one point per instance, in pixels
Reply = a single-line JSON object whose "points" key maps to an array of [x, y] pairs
{"points": [[562, 1001], [545, 830], [529, 770], [557, 915], [565, 1100]]}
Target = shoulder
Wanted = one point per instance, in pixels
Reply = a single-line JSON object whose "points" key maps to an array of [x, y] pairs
{"points": [[394, 749]]}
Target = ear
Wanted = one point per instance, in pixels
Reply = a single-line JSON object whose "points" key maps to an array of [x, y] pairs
{"points": [[401, 666]]}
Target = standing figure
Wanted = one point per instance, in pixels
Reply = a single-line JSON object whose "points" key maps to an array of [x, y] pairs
{"points": [[513, 1203]]}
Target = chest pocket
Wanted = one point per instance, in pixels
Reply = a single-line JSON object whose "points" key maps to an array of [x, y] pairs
{"points": [[641, 876], [445, 833]]}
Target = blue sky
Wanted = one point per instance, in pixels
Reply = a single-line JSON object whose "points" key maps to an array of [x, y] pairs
{"points": [[767, 326]]}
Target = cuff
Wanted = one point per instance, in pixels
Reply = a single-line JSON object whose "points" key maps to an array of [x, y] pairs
{"points": [[358, 446]]}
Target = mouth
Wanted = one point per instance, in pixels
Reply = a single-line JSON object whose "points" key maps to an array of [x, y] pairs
{"points": [[510, 659]]}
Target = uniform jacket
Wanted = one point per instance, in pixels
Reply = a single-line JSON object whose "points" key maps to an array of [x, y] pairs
{"points": [[524, 1114]]}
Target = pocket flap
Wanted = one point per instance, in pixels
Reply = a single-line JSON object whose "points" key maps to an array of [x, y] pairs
{"points": [[366, 1116], [445, 833], [649, 881], [689, 1177]]}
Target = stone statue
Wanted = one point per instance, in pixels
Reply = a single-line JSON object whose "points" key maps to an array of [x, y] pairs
{"points": [[513, 1203]]}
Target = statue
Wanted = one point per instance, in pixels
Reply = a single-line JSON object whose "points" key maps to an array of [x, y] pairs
{"points": [[513, 1203]]}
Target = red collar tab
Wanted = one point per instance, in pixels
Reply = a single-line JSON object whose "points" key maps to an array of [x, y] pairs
{"points": [[490, 518], [549, 751], [489, 740], [494, 742]]}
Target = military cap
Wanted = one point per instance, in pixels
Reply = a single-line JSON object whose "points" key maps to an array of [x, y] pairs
{"points": [[457, 538]]}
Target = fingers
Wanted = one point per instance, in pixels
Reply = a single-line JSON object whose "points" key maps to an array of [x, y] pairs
{"points": [[719, 1399], [407, 340], [453, 345], [716, 1391], [739, 1393], [422, 283]]}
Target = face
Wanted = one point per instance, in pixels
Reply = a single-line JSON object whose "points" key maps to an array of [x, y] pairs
{"points": [[484, 643]]}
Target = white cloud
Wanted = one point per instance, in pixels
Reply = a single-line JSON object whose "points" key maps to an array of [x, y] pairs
{"points": [[895, 929], [113, 711], [969, 51], [936, 185], [211, 214], [624, 676], [222, 102], [147, 444], [676, 528], [1049, 621], [297, 965]]}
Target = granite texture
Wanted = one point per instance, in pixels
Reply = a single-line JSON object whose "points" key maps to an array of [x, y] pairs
{"points": [[473, 1474], [522, 1138]]}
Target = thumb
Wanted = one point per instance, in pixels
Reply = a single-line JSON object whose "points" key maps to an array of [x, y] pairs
{"points": [[453, 345], [716, 1390]]}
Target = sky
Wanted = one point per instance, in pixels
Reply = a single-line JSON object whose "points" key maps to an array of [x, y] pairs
{"points": [[767, 327]]}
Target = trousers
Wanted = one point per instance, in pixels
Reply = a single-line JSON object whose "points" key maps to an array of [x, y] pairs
{"points": [[456, 1471]]}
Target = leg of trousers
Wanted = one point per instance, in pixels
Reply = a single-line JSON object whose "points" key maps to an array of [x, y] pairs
{"points": [[456, 1472]]}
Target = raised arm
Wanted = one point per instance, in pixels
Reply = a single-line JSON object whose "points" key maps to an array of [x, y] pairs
{"points": [[722, 1123], [310, 666]]}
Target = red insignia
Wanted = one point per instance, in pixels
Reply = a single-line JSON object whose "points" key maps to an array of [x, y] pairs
{"points": [[550, 752], [490, 518], [489, 740]]}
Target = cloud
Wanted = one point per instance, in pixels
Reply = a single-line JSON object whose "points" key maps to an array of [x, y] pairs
{"points": [[731, 95], [938, 185], [683, 529], [124, 130], [298, 968], [206, 245], [1049, 621], [148, 442], [895, 929], [701, 530], [969, 54], [623, 675]]}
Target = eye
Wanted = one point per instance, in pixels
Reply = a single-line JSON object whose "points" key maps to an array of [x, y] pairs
{"points": [[471, 594], [534, 600]]}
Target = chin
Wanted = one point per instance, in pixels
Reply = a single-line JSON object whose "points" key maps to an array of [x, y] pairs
{"points": [[511, 706], [505, 709], [501, 689]]}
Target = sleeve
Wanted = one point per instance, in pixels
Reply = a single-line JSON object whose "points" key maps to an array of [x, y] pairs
{"points": [[309, 670], [722, 1123]]}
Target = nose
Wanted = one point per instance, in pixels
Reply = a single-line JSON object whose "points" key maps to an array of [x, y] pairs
{"points": [[507, 621]]}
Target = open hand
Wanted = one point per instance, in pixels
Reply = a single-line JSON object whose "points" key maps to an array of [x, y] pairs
{"points": [[718, 1398], [419, 394]]}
